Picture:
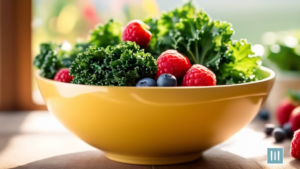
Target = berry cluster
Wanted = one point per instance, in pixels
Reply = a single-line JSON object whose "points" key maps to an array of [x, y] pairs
{"points": [[288, 117], [174, 68]]}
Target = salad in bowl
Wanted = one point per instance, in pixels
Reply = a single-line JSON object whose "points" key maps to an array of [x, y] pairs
{"points": [[158, 91]]}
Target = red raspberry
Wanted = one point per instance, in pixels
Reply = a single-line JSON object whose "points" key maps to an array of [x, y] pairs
{"points": [[63, 76], [199, 75], [137, 31], [172, 62], [295, 145], [295, 119], [284, 111]]}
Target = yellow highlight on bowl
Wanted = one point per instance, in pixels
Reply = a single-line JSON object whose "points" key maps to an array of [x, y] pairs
{"points": [[155, 125]]}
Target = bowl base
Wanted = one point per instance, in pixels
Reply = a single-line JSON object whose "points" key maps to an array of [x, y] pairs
{"points": [[153, 160]]}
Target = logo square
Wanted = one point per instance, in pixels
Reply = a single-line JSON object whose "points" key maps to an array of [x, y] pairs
{"points": [[275, 156]]}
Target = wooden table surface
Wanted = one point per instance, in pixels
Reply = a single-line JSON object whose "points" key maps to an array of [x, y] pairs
{"points": [[36, 140]]}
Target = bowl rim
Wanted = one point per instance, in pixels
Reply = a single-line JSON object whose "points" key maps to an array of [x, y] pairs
{"points": [[272, 76]]}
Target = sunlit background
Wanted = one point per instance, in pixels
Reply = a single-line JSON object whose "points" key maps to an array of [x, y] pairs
{"points": [[71, 20], [272, 26]]}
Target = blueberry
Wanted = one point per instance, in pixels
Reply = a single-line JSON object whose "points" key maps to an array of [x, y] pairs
{"points": [[279, 134], [146, 82], [264, 115], [287, 127], [166, 80], [269, 128]]}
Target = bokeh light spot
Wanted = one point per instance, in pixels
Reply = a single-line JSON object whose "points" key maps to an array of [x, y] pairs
{"points": [[290, 41], [151, 7], [258, 49], [275, 48], [67, 19], [269, 38]]}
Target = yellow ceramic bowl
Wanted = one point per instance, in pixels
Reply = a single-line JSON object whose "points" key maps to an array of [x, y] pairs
{"points": [[155, 125]]}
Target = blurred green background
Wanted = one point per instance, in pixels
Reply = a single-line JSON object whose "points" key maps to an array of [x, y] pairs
{"points": [[56, 20]]}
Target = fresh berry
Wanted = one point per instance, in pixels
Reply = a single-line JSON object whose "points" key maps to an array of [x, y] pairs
{"points": [[146, 82], [279, 134], [199, 75], [295, 145], [264, 115], [287, 127], [269, 128], [172, 62], [295, 119], [166, 80], [63, 76], [137, 31], [284, 111]]}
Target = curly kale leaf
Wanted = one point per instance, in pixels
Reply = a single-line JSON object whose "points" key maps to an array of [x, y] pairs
{"points": [[163, 28], [52, 58], [67, 57], [120, 65], [107, 34], [45, 48], [153, 44], [47, 60], [204, 41], [101, 36], [168, 20], [242, 67], [50, 65]]}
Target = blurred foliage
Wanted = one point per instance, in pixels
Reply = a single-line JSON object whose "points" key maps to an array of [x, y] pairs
{"points": [[53, 57], [282, 50], [293, 95], [71, 20]]}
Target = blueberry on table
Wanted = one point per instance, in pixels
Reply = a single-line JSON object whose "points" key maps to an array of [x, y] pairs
{"points": [[264, 115], [279, 134], [269, 128], [166, 80], [287, 127], [146, 82]]}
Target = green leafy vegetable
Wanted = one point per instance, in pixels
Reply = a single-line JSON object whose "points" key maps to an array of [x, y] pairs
{"points": [[45, 48], [153, 44], [52, 58], [47, 60], [105, 35], [120, 65], [67, 57], [162, 29], [204, 41], [241, 64], [101, 36], [50, 66]]}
